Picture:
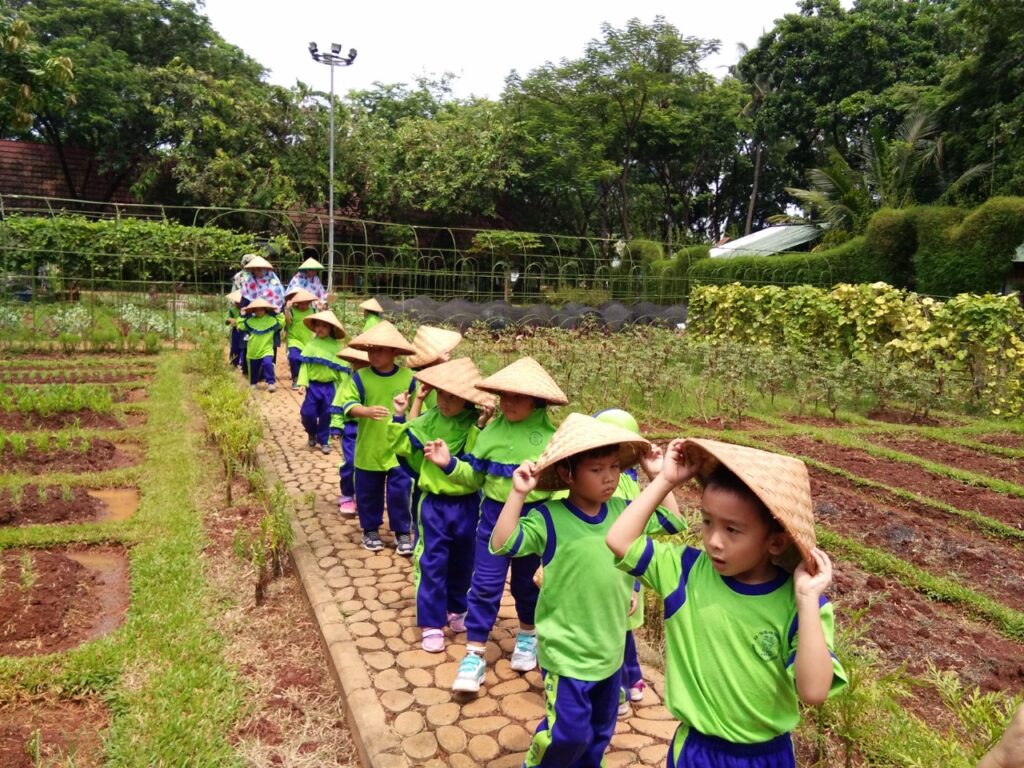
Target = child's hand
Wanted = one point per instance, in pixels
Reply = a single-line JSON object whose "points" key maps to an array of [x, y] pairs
{"points": [[524, 478], [436, 452], [651, 460], [812, 586], [423, 391], [400, 402], [377, 412], [486, 412], [538, 577], [679, 465], [632, 603]]}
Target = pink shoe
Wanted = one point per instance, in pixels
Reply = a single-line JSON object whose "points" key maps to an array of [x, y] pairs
{"points": [[636, 691], [457, 622], [347, 506], [433, 640]]}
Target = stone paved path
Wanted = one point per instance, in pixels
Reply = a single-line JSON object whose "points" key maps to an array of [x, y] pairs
{"points": [[398, 697]]}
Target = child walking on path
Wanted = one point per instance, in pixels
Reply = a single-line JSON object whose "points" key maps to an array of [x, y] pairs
{"points": [[519, 433], [260, 322], [583, 606], [372, 311], [447, 514], [746, 641], [433, 346], [236, 348], [368, 396], [299, 306], [344, 427], [320, 373]]}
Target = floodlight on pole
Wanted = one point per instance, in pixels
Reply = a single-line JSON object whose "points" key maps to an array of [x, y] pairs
{"points": [[332, 59]]}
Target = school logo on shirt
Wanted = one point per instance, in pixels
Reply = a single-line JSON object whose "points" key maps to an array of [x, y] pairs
{"points": [[766, 644], [536, 438]]}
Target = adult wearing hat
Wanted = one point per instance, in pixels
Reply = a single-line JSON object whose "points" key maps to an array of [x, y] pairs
{"points": [[308, 279], [241, 277]]}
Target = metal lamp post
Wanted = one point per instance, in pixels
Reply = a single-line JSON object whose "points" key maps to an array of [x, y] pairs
{"points": [[332, 59]]}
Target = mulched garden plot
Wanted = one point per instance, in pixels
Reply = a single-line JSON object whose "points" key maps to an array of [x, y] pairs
{"points": [[13, 421], [1010, 470], [35, 376], [1004, 440], [101, 456], [53, 600], [69, 732], [981, 563], [70, 505], [1006, 509]]}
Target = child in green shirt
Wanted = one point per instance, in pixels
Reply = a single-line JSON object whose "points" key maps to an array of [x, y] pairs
{"points": [[259, 322], [372, 311], [344, 427], [298, 306], [236, 350], [746, 641], [319, 373]]}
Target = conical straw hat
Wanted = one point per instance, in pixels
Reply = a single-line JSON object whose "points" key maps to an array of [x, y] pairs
{"points": [[327, 316], [372, 305], [781, 482], [259, 304], [299, 295], [384, 334], [579, 433], [431, 344], [310, 264], [458, 377], [524, 377], [354, 355], [259, 263], [234, 297]]}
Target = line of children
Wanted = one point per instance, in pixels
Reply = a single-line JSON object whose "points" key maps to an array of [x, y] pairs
{"points": [[344, 427], [320, 372], [379, 481], [519, 433], [447, 513], [298, 306]]}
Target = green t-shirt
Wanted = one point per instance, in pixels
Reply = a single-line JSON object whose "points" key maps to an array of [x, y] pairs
{"points": [[320, 362], [459, 434], [298, 332], [369, 387], [583, 606], [261, 334], [729, 646], [502, 446], [372, 318], [338, 417]]}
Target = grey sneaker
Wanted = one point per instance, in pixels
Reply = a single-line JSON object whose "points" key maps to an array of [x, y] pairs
{"points": [[325, 449], [404, 545], [372, 542], [271, 387], [311, 442]]}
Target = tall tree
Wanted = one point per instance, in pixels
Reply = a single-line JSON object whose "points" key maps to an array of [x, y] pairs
{"points": [[29, 76]]}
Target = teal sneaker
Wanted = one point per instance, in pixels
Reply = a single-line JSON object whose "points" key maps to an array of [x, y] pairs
{"points": [[471, 674]]}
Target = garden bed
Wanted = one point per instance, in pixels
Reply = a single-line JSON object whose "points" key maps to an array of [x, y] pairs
{"points": [[101, 455], [957, 456], [58, 733], [997, 506], [41, 377], [12, 421], [59, 504], [56, 599]]}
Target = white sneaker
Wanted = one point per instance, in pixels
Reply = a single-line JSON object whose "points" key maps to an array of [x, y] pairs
{"points": [[524, 657], [623, 704], [471, 674]]}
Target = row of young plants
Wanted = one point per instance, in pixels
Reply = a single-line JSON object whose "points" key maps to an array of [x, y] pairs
{"points": [[55, 398], [18, 443], [969, 347]]}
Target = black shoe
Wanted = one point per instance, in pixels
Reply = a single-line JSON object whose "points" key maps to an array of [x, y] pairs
{"points": [[372, 542]]}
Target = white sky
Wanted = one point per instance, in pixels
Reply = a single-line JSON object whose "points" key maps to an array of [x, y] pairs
{"points": [[479, 41]]}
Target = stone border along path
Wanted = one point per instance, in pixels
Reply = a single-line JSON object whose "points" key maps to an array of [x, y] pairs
{"points": [[397, 697]]}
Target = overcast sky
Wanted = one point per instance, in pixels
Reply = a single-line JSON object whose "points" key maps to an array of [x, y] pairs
{"points": [[480, 42]]}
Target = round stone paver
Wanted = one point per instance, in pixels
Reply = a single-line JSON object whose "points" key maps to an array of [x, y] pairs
{"points": [[443, 714], [421, 746], [396, 701], [522, 706], [514, 738], [483, 748], [451, 738], [409, 723], [389, 680]]}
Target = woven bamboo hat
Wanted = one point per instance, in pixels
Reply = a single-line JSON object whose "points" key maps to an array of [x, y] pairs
{"points": [[372, 305], [259, 304], [327, 316], [234, 297], [354, 355], [524, 377], [246, 258], [299, 295], [432, 344], [781, 482], [579, 433], [457, 376], [384, 334], [259, 263], [310, 264]]}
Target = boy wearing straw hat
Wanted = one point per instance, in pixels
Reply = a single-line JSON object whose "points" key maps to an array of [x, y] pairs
{"points": [[372, 311], [447, 513], [236, 348], [298, 306], [369, 396], [433, 346], [260, 322], [519, 433], [344, 427], [746, 641], [320, 373], [583, 607]]}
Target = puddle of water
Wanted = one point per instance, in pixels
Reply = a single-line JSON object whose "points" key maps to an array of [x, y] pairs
{"points": [[111, 568], [120, 503]]}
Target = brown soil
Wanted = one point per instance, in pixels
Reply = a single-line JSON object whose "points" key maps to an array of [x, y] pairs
{"points": [[54, 599], [68, 731], [83, 506], [815, 421], [134, 395], [1005, 440], [1006, 509], [101, 456], [21, 422], [895, 416], [70, 377], [956, 456], [719, 423]]}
